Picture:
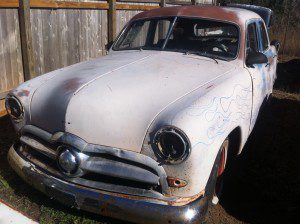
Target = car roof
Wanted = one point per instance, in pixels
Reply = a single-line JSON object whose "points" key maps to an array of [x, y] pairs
{"points": [[229, 14]]}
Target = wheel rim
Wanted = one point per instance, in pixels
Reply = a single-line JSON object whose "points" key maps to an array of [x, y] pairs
{"points": [[220, 172]]}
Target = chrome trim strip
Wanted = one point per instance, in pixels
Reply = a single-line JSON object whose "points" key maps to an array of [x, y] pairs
{"points": [[38, 146]]}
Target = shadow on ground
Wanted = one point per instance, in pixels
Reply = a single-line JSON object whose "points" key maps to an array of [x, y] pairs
{"points": [[263, 184], [288, 76]]}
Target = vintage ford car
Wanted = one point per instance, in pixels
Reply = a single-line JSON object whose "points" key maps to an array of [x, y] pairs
{"points": [[144, 133]]}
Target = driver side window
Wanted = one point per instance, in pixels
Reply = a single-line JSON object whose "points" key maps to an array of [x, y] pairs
{"points": [[264, 36], [252, 44]]}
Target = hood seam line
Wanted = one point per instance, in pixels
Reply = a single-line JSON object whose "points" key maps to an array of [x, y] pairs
{"points": [[86, 84]]}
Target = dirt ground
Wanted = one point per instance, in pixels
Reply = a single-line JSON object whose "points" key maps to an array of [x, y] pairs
{"points": [[261, 186]]}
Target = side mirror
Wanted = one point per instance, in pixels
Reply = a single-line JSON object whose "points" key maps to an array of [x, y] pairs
{"points": [[276, 44], [108, 45], [256, 58]]}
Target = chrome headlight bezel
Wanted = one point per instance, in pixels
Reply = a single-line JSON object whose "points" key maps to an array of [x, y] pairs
{"points": [[14, 108], [164, 141]]}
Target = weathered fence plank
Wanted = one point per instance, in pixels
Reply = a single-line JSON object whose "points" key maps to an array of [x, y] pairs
{"points": [[11, 71], [51, 4], [3, 95], [112, 19], [162, 3], [135, 7], [9, 4], [26, 39]]}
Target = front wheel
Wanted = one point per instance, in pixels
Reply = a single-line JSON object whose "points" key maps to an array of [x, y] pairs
{"points": [[220, 172]]}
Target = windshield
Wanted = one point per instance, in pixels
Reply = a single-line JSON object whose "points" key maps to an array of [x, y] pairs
{"points": [[145, 34], [188, 35]]}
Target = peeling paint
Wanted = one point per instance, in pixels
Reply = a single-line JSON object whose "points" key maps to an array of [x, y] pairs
{"points": [[23, 92]]}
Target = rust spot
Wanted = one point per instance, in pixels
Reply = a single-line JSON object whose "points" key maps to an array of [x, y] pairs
{"points": [[209, 86], [185, 200], [176, 182], [178, 202], [71, 84], [23, 92], [104, 209], [212, 12]]}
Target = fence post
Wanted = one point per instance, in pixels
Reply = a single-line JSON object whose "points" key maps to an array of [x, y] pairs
{"points": [[162, 3], [26, 39], [112, 20]]}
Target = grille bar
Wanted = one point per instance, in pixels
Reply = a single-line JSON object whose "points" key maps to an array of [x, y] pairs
{"points": [[37, 145], [120, 170]]}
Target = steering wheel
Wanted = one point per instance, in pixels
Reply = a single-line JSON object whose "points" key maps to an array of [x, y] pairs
{"points": [[220, 47], [223, 48]]}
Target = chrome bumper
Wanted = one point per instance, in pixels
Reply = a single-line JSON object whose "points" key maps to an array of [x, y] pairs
{"points": [[121, 206]]}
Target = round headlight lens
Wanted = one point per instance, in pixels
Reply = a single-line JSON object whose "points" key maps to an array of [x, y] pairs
{"points": [[14, 108], [172, 145]]}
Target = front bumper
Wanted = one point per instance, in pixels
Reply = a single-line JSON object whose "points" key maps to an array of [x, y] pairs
{"points": [[126, 207]]}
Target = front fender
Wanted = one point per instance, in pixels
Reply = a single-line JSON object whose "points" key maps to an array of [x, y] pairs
{"points": [[24, 93], [207, 116]]}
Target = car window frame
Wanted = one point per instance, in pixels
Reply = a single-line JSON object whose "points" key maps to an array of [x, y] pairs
{"points": [[237, 26], [172, 22], [256, 34], [175, 18], [246, 37], [259, 23]]}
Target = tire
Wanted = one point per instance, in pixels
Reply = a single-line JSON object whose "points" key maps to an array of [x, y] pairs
{"points": [[218, 173], [269, 99]]}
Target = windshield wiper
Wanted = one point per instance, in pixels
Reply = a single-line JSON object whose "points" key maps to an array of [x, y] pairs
{"points": [[204, 55]]}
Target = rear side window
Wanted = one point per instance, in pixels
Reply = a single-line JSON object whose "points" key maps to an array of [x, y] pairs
{"points": [[264, 36], [252, 45]]}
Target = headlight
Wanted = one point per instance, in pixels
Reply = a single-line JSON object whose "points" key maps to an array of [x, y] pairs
{"points": [[14, 108], [172, 145]]}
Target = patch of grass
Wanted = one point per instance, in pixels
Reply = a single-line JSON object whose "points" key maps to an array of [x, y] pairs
{"points": [[51, 216], [3, 183]]}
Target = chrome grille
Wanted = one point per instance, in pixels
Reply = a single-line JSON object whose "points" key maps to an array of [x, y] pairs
{"points": [[101, 170]]}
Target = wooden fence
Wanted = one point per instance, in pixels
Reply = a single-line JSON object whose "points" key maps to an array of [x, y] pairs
{"points": [[38, 36]]}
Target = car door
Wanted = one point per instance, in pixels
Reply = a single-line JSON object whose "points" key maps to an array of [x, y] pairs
{"points": [[270, 69], [257, 72]]}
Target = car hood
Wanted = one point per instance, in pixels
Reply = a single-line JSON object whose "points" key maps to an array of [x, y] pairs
{"points": [[113, 100]]}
